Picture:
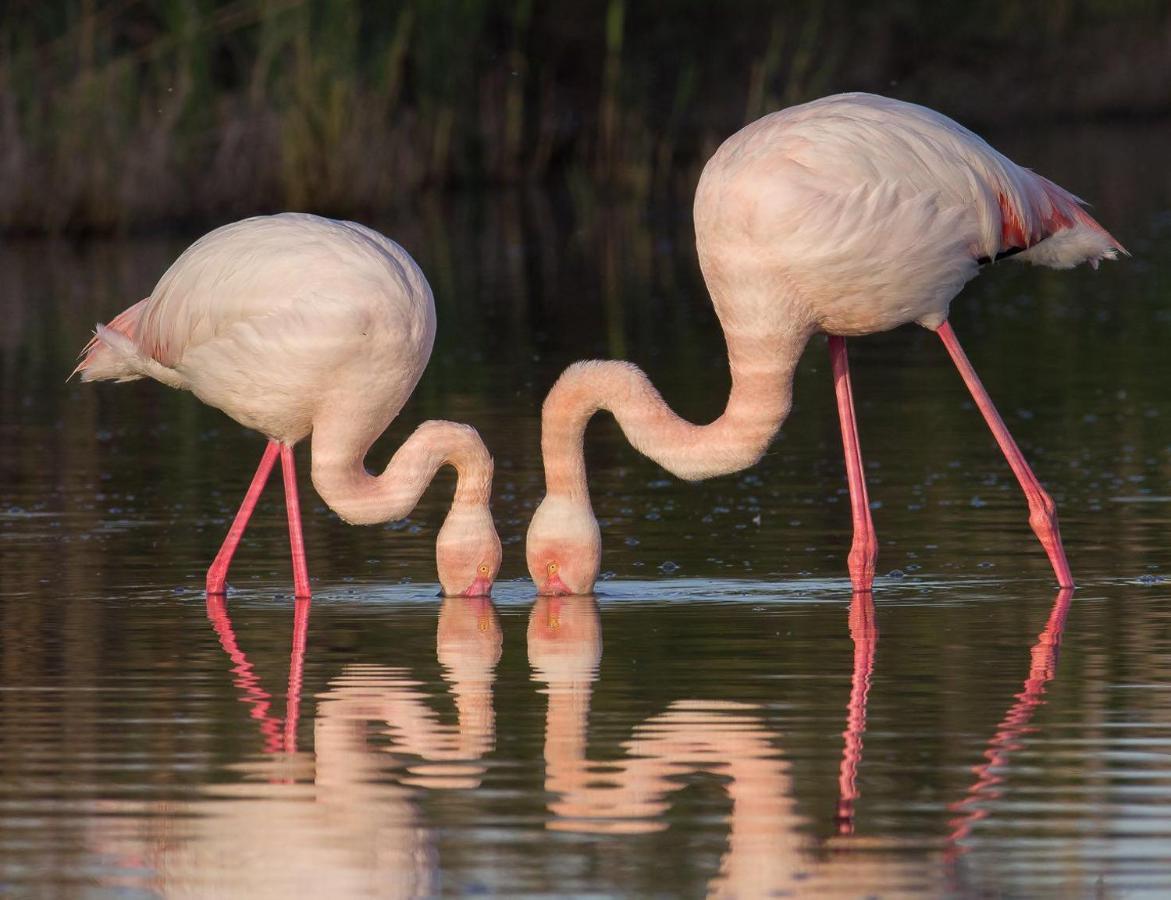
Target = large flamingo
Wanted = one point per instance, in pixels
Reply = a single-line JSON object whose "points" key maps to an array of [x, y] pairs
{"points": [[294, 324], [849, 215]]}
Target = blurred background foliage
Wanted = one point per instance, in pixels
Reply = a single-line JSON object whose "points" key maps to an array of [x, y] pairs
{"points": [[124, 114]]}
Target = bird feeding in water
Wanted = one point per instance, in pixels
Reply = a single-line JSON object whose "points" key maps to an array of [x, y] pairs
{"points": [[848, 215], [296, 325]]}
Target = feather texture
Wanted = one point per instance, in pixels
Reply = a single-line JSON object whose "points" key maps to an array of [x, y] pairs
{"points": [[849, 215], [879, 211], [294, 324]]}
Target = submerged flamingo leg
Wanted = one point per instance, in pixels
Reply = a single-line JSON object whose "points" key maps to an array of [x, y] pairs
{"points": [[864, 551], [1042, 509], [217, 574], [293, 508]]}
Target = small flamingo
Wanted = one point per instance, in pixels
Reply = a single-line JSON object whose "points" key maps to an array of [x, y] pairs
{"points": [[849, 215], [294, 324]]}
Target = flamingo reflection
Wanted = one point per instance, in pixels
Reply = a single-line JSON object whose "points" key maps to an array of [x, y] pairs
{"points": [[343, 819], [436, 755], [768, 849], [468, 646], [1015, 724]]}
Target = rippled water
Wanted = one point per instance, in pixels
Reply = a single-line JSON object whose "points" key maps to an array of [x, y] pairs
{"points": [[723, 718]]}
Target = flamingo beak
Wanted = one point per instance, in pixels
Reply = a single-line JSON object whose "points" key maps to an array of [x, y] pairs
{"points": [[481, 587], [554, 586]]}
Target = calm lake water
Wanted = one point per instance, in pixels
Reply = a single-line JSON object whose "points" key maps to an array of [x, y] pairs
{"points": [[723, 718]]}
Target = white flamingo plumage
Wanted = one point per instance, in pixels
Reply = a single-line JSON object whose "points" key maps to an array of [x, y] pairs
{"points": [[848, 215], [295, 325]]}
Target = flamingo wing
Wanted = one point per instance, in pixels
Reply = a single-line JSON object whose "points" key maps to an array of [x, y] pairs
{"points": [[1020, 213], [235, 278]]}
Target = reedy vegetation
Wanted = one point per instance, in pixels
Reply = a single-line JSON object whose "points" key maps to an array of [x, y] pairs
{"points": [[119, 114]]}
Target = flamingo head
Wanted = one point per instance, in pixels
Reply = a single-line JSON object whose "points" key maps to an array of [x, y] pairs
{"points": [[467, 552], [564, 546]]}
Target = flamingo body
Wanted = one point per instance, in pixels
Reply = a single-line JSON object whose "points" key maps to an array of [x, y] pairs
{"points": [[294, 324], [274, 318], [848, 215], [857, 213]]}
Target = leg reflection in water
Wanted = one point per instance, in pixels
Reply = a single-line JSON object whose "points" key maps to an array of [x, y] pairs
{"points": [[341, 820], [1013, 727], [864, 632], [278, 735], [769, 849]]}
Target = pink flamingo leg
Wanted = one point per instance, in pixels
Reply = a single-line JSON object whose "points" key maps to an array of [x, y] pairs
{"points": [[293, 508], [1042, 509], [217, 575], [864, 551]]}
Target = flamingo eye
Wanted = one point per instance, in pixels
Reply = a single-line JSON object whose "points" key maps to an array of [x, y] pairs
{"points": [[483, 568], [553, 567]]}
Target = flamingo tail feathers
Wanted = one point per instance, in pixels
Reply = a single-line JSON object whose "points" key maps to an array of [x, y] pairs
{"points": [[113, 354], [1068, 235]]}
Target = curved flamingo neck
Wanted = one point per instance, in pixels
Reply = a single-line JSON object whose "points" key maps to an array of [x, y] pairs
{"points": [[364, 499], [761, 396]]}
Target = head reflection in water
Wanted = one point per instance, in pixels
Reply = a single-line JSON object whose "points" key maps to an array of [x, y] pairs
{"points": [[768, 850], [468, 646]]}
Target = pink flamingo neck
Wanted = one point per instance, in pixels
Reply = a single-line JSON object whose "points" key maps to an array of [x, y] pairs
{"points": [[364, 499], [761, 396]]}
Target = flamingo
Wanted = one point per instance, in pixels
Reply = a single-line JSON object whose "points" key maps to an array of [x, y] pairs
{"points": [[849, 215], [295, 325]]}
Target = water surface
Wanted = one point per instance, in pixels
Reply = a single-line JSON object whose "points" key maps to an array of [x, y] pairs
{"points": [[724, 717]]}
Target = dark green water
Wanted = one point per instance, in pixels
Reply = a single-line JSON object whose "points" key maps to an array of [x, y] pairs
{"points": [[724, 718]]}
